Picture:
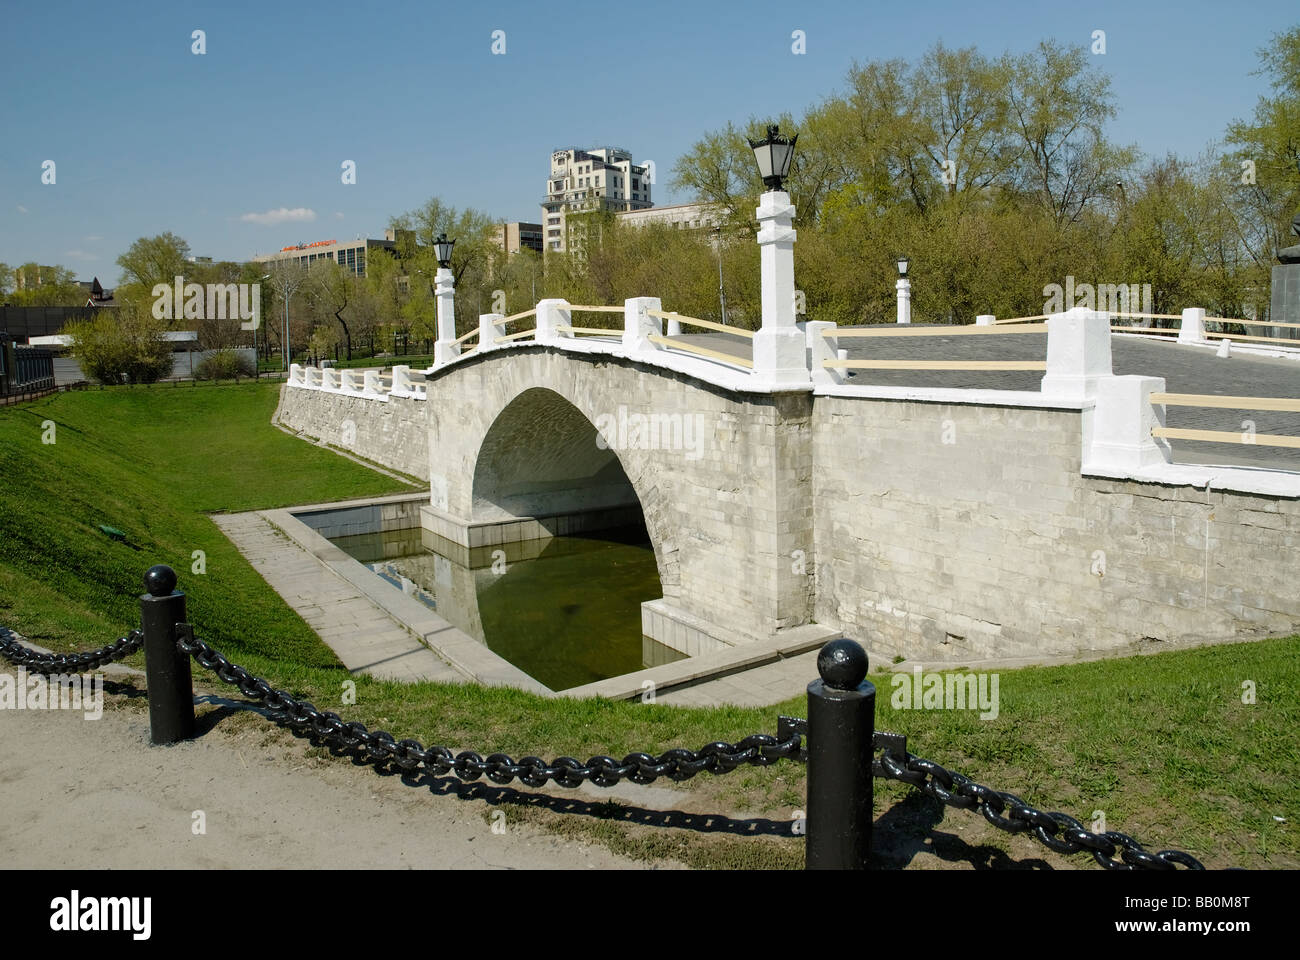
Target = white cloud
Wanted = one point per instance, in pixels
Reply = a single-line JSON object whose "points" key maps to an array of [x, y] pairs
{"points": [[338, 214], [283, 215], [80, 255], [21, 208]]}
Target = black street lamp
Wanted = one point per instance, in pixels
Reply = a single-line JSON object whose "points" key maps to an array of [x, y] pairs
{"points": [[442, 249], [903, 264], [773, 153]]}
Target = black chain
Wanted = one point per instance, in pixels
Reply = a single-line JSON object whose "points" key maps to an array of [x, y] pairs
{"points": [[47, 663], [379, 745], [1006, 811]]}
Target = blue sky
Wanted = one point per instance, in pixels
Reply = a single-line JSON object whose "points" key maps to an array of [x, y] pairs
{"points": [[148, 137]]}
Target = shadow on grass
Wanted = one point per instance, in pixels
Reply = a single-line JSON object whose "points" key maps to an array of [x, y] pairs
{"points": [[901, 832], [899, 836]]}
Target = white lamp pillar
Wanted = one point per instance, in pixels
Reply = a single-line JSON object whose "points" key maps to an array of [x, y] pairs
{"points": [[780, 354], [904, 287], [444, 291]]}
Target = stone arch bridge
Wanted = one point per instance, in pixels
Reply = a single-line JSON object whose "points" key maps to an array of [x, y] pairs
{"points": [[940, 523]]}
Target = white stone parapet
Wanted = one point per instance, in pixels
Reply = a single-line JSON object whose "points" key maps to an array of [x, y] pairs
{"points": [[1078, 353], [821, 348], [1192, 329], [490, 326], [552, 314], [1117, 431], [638, 326]]}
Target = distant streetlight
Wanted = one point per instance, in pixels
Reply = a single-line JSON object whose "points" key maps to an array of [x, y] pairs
{"points": [[904, 288], [257, 361], [722, 293], [773, 153]]}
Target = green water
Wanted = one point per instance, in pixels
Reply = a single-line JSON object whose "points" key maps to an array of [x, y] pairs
{"points": [[566, 610]]}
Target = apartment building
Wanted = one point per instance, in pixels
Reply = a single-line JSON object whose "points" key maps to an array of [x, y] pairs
{"points": [[515, 236], [682, 216], [582, 181]]}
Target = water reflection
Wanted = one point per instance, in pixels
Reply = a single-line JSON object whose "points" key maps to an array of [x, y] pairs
{"points": [[566, 610]]}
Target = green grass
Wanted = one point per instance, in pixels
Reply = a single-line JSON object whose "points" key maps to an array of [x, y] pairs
{"points": [[1162, 744]]}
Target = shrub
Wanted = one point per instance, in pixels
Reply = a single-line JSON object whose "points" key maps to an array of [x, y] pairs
{"points": [[122, 344], [224, 365]]}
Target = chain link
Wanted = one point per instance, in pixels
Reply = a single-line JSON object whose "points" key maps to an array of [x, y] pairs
{"points": [[48, 663], [379, 745], [1006, 811]]}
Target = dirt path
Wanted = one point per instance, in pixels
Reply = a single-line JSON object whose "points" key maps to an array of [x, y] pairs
{"points": [[92, 794]]}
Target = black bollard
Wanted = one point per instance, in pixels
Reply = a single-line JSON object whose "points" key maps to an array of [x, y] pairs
{"points": [[841, 723], [167, 669]]}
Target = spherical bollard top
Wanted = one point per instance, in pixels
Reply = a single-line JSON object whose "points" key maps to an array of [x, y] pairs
{"points": [[842, 664], [160, 581]]}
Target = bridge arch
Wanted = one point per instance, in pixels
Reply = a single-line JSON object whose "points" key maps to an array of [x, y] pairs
{"points": [[542, 456]]}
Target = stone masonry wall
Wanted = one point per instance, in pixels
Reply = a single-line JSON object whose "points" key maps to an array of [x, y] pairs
{"points": [[959, 532], [393, 434]]}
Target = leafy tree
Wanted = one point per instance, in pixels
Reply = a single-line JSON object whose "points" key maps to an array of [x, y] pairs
{"points": [[34, 285], [154, 260], [122, 345], [331, 290], [1265, 161]]}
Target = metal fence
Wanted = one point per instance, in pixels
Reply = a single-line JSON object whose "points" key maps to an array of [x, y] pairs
{"points": [[838, 741], [25, 370]]}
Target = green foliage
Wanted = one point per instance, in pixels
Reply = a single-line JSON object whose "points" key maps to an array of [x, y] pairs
{"points": [[224, 365], [153, 260], [123, 345], [34, 285], [1268, 146]]}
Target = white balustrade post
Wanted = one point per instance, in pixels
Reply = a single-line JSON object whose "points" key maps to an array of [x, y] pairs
{"points": [[780, 351], [1117, 431], [445, 348], [904, 288], [295, 375], [401, 381], [329, 378], [1192, 329], [821, 348], [550, 315], [350, 384], [639, 326], [1078, 353], [490, 326], [373, 387]]}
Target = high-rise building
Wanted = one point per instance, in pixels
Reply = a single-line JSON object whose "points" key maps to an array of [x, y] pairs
{"points": [[515, 236], [600, 178]]}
